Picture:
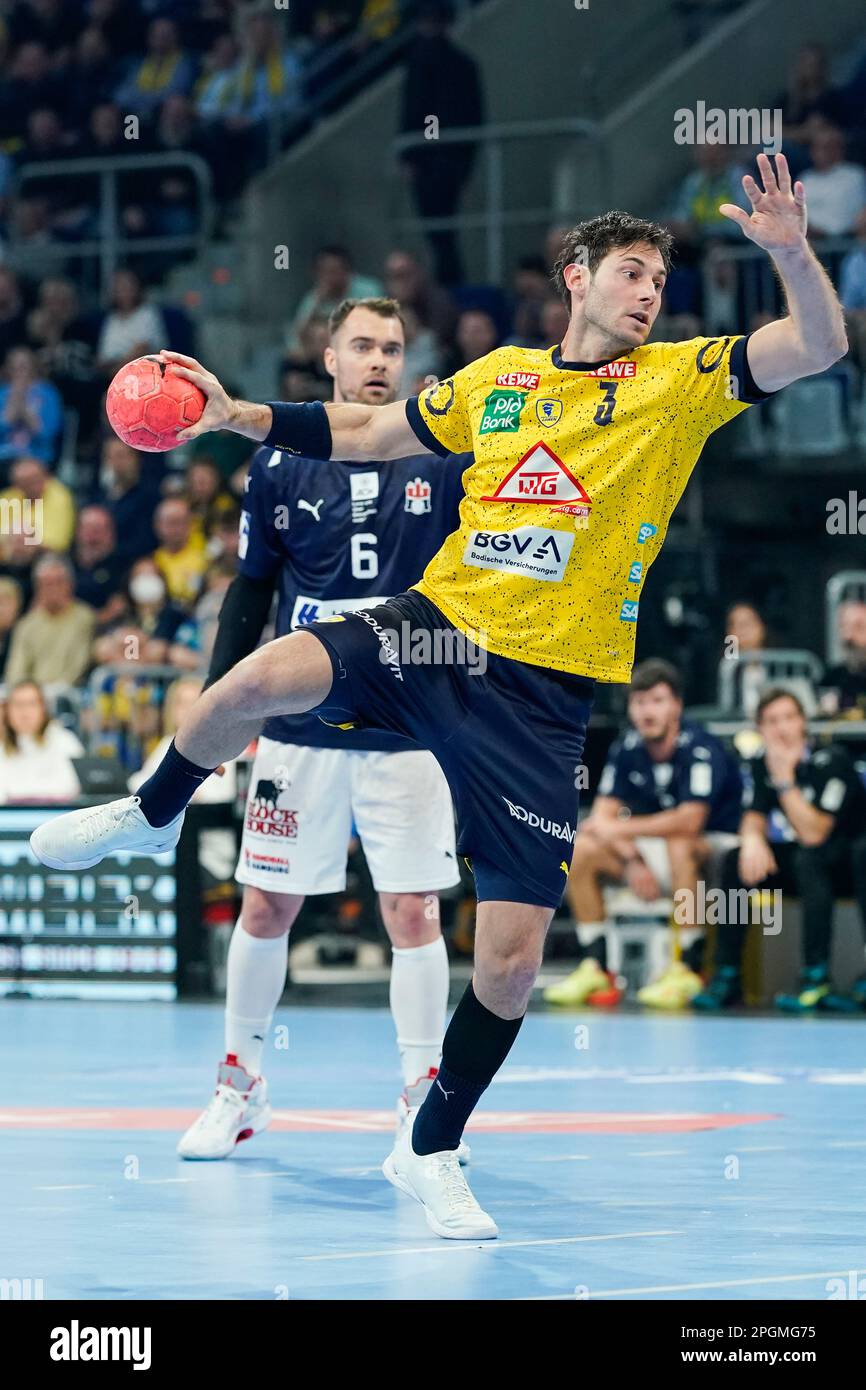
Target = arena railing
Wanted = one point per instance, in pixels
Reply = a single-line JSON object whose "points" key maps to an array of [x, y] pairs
{"points": [[756, 288], [110, 248], [121, 712], [495, 218], [795, 667]]}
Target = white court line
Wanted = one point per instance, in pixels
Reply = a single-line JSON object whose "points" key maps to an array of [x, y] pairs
{"points": [[762, 1149], [847, 1144], [153, 1182], [684, 1288], [491, 1245], [562, 1158], [657, 1153], [66, 1187]]}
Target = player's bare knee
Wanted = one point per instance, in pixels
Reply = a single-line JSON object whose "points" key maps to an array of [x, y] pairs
{"points": [[411, 919], [684, 851], [269, 915]]}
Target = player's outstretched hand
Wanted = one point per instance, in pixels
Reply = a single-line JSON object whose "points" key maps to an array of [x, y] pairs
{"points": [[219, 410], [778, 218]]}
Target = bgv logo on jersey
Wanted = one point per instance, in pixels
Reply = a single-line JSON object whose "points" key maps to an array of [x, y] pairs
{"points": [[418, 495], [540, 476], [529, 550]]}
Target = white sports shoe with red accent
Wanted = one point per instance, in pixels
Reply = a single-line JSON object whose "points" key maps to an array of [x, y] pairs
{"points": [[407, 1109], [437, 1182], [238, 1110]]}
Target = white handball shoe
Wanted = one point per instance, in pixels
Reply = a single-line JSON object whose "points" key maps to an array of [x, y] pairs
{"points": [[238, 1110], [436, 1181], [80, 839], [408, 1105]]}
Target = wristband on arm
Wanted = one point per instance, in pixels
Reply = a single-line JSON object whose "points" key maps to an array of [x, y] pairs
{"points": [[300, 429]]}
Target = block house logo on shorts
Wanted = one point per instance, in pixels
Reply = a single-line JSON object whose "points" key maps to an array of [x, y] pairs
{"points": [[541, 476], [502, 412], [265, 816], [532, 551], [536, 822]]}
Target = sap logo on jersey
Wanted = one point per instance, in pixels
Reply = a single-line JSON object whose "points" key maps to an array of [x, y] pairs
{"points": [[530, 550], [418, 495], [547, 827]]}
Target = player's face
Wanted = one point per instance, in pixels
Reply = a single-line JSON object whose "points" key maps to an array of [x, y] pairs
{"points": [[782, 723], [655, 713], [624, 295], [365, 358]]}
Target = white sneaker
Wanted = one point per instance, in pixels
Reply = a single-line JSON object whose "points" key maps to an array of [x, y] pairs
{"points": [[239, 1109], [408, 1105], [80, 839], [435, 1180]]}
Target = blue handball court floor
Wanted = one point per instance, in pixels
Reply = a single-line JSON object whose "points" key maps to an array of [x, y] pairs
{"points": [[623, 1157]]}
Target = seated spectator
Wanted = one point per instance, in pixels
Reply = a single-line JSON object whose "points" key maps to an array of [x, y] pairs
{"points": [[746, 631], [64, 342], [132, 327], [91, 75], [803, 832], [163, 71], [844, 685], [13, 313], [810, 96], [130, 491], [122, 25], [18, 555], [852, 290], [406, 280], [31, 410], [214, 89], [835, 189], [148, 625], [333, 281], [52, 23], [99, 570], [207, 610], [267, 80], [422, 356], [223, 544], [50, 516], [207, 497], [104, 134], [180, 697], [11, 600], [302, 379], [35, 752], [174, 199], [668, 801], [51, 643], [717, 178], [30, 83], [32, 247], [531, 291], [181, 556], [477, 335]]}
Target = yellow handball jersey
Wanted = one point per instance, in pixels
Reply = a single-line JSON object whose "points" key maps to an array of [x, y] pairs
{"points": [[577, 469]]}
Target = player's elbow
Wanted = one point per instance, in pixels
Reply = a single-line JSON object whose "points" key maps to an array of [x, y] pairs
{"points": [[830, 352]]}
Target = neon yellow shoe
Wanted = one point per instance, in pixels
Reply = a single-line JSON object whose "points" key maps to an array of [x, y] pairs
{"points": [[675, 989], [579, 985]]}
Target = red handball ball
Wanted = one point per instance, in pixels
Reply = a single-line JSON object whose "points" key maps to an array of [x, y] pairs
{"points": [[147, 405]]}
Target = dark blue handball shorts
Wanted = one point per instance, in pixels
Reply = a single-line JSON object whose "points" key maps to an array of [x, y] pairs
{"points": [[508, 736]]}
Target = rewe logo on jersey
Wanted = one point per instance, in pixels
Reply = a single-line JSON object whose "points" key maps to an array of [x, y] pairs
{"points": [[528, 381], [614, 371], [540, 476]]}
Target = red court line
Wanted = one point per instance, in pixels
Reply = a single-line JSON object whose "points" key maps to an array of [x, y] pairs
{"points": [[337, 1121]]}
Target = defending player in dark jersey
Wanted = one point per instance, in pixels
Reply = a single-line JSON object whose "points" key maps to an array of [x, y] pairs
{"points": [[330, 538], [574, 479]]}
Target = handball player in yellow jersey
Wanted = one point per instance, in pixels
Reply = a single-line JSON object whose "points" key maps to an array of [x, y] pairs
{"points": [[581, 453]]}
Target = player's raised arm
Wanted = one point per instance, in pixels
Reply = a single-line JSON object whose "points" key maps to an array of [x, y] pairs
{"points": [[812, 335], [315, 430]]}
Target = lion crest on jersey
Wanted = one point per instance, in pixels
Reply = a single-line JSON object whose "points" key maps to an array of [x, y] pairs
{"points": [[418, 495]]}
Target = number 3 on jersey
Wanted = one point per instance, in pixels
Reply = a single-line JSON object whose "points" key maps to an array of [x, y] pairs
{"points": [[365, 558], [604, 413]]}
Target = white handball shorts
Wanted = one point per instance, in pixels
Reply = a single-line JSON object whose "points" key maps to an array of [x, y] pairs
{"points": [[303, 802], [653, 850]]}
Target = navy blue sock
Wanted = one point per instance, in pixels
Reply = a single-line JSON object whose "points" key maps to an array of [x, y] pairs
{"points": [[476, 1044], [165, 794]]}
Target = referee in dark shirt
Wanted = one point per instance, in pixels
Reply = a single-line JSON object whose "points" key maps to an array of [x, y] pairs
{"points": [[811, 803]]}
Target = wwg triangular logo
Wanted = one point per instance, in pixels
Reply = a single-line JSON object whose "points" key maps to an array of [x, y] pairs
{"points": [[540, 477]]}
